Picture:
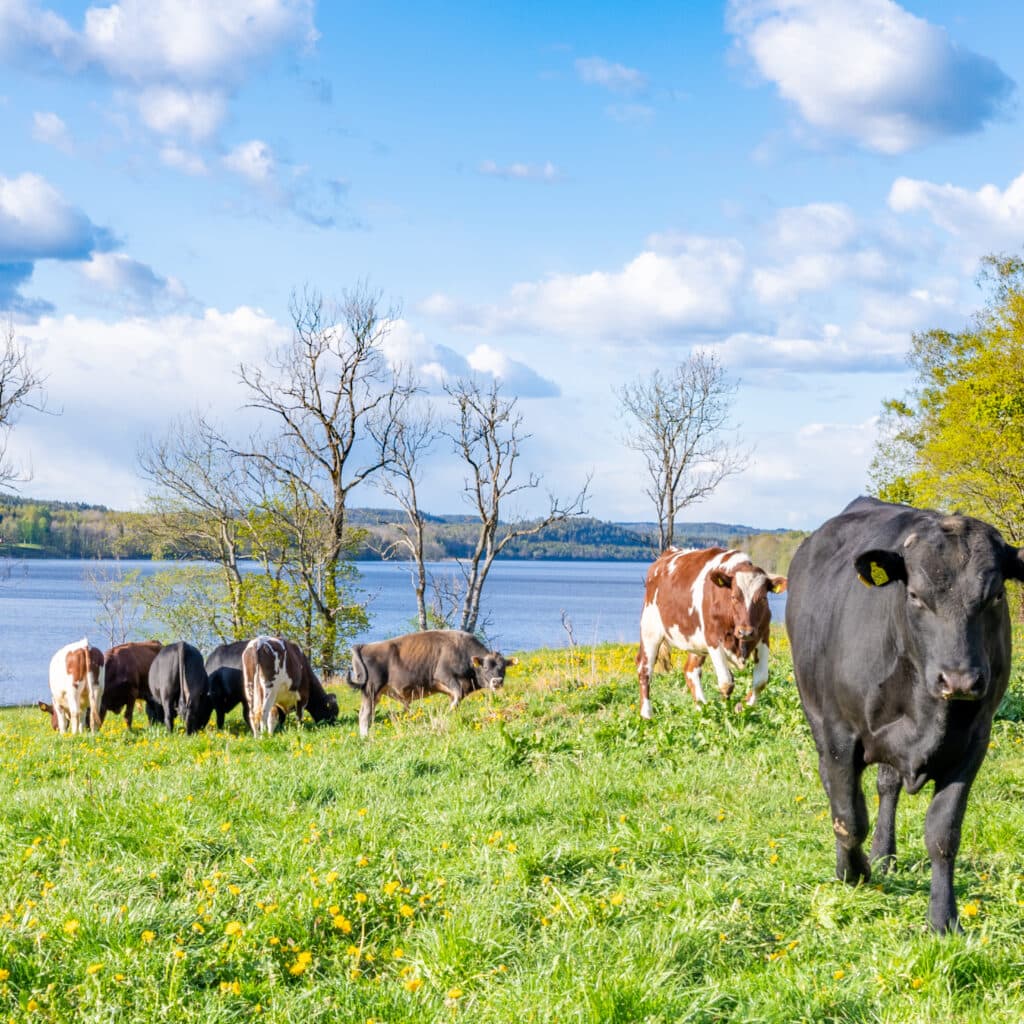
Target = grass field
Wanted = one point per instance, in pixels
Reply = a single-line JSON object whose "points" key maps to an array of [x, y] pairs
{"points": [[540, 855]]}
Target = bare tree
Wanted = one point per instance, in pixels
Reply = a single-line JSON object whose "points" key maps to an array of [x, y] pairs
{"points": [[335, 401], [20, 387], [197, 489], [120, 612], [415, 434], [681, 428], [487, 434]]}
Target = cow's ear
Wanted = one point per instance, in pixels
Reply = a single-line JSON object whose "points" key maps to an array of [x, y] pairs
{"points": [[777, 584], [879, 568], [1013, 563], [43, 706], [511, 661], [477, 660], [720, 579]]}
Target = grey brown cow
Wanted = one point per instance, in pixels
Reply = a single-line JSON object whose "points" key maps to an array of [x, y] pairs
{"points": [[448, 661], [900, 631]]}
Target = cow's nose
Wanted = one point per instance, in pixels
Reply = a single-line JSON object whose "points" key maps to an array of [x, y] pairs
{"points": [[962, 684], [744, 632]]}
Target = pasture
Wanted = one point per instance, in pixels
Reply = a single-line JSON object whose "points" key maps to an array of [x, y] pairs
{"points": [[540, 855]]}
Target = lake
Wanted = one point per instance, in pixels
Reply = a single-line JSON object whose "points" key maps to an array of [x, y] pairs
{"points": [[45, 604]]}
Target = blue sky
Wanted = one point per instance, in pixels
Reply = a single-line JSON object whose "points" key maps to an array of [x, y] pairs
{"points": [[564, 195]]}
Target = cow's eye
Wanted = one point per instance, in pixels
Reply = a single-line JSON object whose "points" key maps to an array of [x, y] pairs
{"points": [[996, 599], [914, 599]]}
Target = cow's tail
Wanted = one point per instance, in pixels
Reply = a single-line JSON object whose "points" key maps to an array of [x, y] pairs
{"points": [[357, 674], [182, 681]]}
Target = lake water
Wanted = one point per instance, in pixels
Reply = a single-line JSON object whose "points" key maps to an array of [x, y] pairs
{"points": [[46, 604]]}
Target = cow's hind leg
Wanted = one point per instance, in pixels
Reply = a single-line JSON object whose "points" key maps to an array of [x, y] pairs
{"points": [[842, 764], [366, 710], [646, 655], [883, 844]]}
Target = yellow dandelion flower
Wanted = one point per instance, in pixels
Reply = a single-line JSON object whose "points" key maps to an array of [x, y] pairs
{"points": [[455, 993], [352, 950], [361, 812], [331, 877], [94, 968], [360, 897], [32, 1006], [363, 862], [406, 911], [970, 909], [412, 984], [234, 890], [917, 983], [390, 888], [225, 826], [198, 928], [4, 974], [342, 923], [298, 968], [616, 899], [179, 954], [148, 936], [71, 927], [397, 953], [233, 928], [839, 975]]}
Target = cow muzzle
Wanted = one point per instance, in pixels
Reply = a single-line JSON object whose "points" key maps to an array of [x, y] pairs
{"points": [[962, 684]]}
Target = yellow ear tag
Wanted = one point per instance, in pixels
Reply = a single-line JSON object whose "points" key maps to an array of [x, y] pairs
{"points": [[879, 577]]}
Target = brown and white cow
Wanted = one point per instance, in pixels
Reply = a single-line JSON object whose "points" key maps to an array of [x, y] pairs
{"points": [[276, 677], [76, 685], [711, 603]]}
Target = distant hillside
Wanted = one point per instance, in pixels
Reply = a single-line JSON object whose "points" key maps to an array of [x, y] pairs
{"points": [[53, 529]]}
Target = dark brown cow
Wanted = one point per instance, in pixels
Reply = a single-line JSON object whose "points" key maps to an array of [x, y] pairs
{"points": [[277, 676], [76, 684], [127, 677], [711, 603], [415, 665]]}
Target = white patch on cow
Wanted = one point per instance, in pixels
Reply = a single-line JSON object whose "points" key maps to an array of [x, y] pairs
{"points": [[720, 659], [695, 685], [645, 710], [749, 583]]}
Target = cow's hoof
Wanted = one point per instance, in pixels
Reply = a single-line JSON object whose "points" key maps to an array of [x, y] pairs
{"points": [[853, 868], [645, 710]]}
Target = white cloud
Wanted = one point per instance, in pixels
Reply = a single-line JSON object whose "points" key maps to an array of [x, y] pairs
{"points": [[609, 75], [171, 111], [869, 70], [253, 160], [182, 160], [37, 222], [988, 218], [50, 129], [546, 172], [136, 285], [630, 113], [192, 41], [680, 282]]}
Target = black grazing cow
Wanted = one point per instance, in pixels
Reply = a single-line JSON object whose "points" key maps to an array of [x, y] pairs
{"points": [[277, 676], [434, 661], [178, 684], [901, 650], [224, 667]]}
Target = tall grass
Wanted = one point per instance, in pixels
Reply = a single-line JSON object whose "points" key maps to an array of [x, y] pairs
{"points": [[539, 855]]}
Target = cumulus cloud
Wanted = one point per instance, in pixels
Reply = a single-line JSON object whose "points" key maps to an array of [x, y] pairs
{"points": [[611, 76], [987, 218], [182, 160], [831, 349], [50, 129], [171, 111], [869, 70], [154, 366], [253, 160], [37, 222], [135, 285], [546, 172], [435, 364], [681, 282]]}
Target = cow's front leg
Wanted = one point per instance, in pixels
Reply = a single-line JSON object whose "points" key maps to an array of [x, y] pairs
{"points": [[760, 675], [651, 636], [883, 843], [62, 718], [843, 764], [722, 670], [74, 713], [692, 673], [942, 840], [267, 715]]}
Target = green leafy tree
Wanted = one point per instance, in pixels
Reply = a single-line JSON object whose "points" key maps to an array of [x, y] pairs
{"points": [[956, 441]]}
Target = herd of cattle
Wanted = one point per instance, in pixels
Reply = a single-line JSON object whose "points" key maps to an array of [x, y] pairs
{"points": [[900, 634]]}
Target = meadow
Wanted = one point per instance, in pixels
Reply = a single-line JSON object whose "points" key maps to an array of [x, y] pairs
{"points": [[540, 855]]}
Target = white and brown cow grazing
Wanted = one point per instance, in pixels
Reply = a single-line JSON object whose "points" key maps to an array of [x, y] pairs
{"points": [[76, 685], [711, 603], [276, 677]]}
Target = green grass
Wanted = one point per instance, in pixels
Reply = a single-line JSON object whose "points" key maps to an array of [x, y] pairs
{"points": [[540, 855]]}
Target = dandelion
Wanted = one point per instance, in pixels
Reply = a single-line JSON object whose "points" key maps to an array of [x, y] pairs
{"points": [[331, 877], [32, 1006], [233, 928], [179, 954], [390, 888], [234, 890], [412, 984], [225, 826], [4, 974], [917, 983], [71, 927], [839, 975], [361, 812], [406, 911], [302, 961], [343, 924], [354, 973], [198, 928], [773, 859], [360, 897], [363, 862], [94, 968], [971, 909], [148, 936], [616, 899], [455, 993], [397, 953]]}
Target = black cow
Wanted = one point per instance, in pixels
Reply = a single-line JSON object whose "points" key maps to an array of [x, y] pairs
{"points": [[224, 667], [901, 650], [178, 684], [415, 665]]}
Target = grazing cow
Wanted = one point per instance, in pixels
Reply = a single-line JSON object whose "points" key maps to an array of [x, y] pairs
{"points": [[901, 650], [711, 603], [415, 665], [178, 685], [224, 667], [276, 677], [126, 668], [76, 684]]}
